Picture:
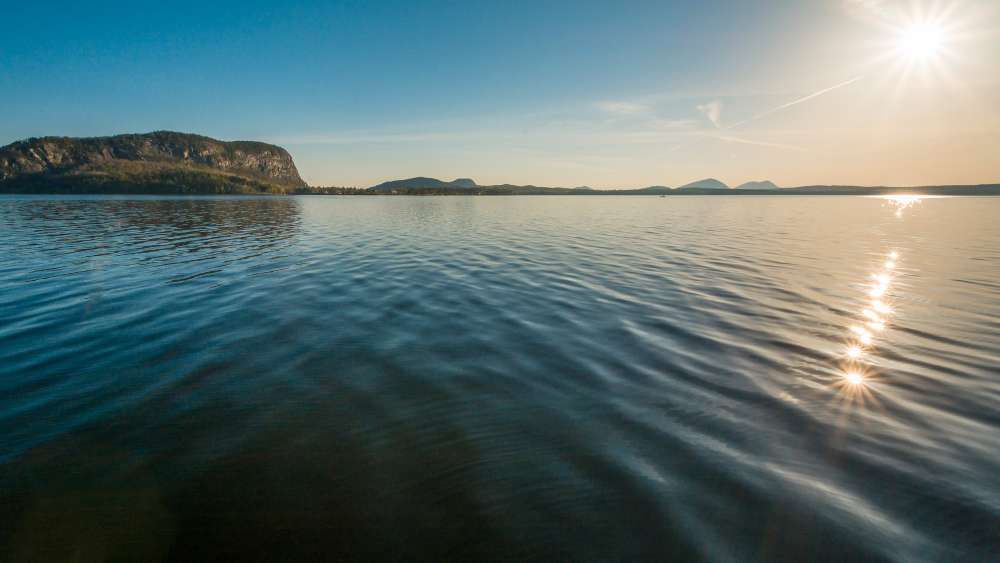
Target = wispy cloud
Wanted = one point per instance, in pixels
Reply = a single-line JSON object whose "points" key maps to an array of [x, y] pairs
{"points": [[622, 107], [362, 137], [713, 111], [868, 9], [672, 124]]}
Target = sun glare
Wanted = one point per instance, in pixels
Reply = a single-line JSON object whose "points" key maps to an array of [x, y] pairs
{"points": [[921, 40], [881, 307], [854, 378]]}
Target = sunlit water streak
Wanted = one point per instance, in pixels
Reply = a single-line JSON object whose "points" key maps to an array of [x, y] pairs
{"points": [[540, 378], [872, 324], [902, 202], [873, 320]]}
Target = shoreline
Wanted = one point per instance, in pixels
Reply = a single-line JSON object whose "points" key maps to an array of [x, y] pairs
{"points": [[957, 190]]}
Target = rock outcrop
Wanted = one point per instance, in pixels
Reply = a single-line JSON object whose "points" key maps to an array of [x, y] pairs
{"points": [[158, 162]]}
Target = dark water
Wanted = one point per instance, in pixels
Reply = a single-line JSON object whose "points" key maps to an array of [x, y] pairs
{"points": [[547, 378]]}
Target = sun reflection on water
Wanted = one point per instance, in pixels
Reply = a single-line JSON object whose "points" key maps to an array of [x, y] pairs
{"points": [[901, 203], [873, 320], [854, 378], [881, 307], [858, 379]]}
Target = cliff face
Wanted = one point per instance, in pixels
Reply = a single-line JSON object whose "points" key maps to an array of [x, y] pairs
{"points": [[159, 160]]}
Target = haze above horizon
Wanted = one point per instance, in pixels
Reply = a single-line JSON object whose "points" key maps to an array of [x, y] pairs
{"points": [[863, 92]]}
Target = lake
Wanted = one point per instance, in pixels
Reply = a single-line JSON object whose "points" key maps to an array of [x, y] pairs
{"points": [[529, 378]]}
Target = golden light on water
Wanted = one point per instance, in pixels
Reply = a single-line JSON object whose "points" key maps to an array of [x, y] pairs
{"points": [[874, 317], [905, 200], [857, 377], [863, 335], [854, 385], [901, 202], [854, 378]]}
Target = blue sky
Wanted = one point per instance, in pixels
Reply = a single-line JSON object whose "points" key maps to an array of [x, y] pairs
{"points": [[555, 93]]}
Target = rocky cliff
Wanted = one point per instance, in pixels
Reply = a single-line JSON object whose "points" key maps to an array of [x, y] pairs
{"points": [[157, 162]]}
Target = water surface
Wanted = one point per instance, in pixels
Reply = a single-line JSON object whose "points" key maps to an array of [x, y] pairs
{"points": [[569, 378]]}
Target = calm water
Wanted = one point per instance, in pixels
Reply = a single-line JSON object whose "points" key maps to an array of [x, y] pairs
{"points": [[570, 378]]}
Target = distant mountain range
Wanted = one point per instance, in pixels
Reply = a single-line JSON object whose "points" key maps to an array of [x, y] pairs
{"points": [[421, 182], [761, 185], [424, 183], [713, 184], [706, 184]]}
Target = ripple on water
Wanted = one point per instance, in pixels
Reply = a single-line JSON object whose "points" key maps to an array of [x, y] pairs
{"points": [[586, 378]]}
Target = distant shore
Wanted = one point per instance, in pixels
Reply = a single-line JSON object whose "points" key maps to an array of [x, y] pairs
{"points": [[161, 189], [980, 190], [175, 163]]}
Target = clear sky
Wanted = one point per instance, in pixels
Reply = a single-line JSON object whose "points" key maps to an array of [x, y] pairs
{"points": [[608, 94]]}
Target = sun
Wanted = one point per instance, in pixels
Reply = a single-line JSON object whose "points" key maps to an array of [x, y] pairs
{"points": [[921, 41]]}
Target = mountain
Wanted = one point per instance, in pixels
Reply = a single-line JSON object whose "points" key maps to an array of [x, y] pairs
{"points": [[761, 185], [158, 162], [707, 183], [421, 182], [654, 189]]}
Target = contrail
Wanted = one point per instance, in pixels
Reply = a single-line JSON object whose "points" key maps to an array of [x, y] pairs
{"points": [[796, 102], [758, 143], [761, 115]]}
